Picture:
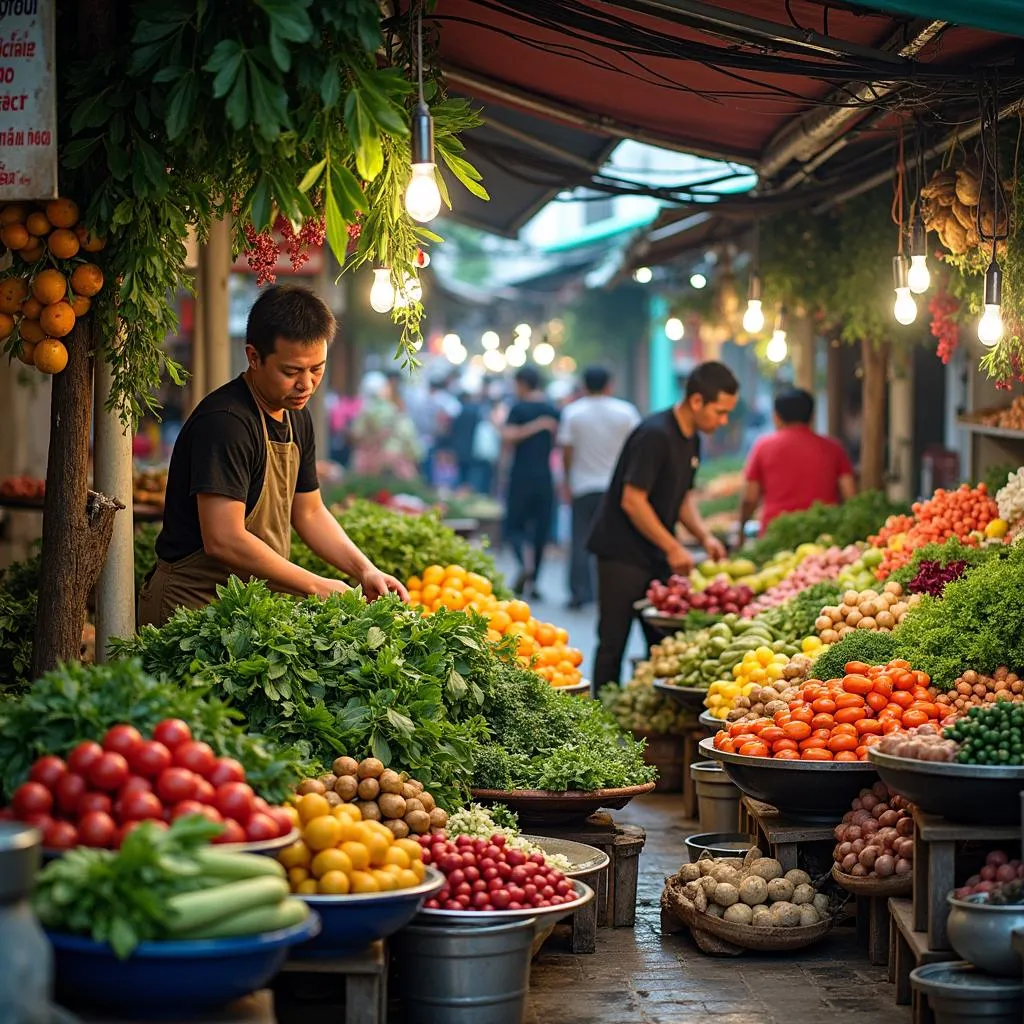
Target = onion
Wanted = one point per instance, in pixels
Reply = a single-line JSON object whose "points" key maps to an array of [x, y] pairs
{"points": [[869, 828], [859, 871], [868, 856], [853, 833], [844, 849], [890, 819], [988, 873], [996, 857], [886, 836], [878, 810], [905, 849], [905, 826], [881, 790], [903, 867], [884, 866], [848, 862], [858, 845], [1005, 873], [972, 881], [839, 833], [867, 801]]}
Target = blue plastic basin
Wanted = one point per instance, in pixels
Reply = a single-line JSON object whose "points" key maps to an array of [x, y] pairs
{"points": [[170, 979]]}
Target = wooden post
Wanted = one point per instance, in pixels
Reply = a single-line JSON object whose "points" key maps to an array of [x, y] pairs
{"points": [[214, 269], [875, 360], [901, 426], [834, 389], [801, 347]]}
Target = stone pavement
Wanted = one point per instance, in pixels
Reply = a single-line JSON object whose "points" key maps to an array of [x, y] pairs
{"points": [[637, 975]]}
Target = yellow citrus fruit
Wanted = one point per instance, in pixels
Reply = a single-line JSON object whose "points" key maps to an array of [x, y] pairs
{"points": [[385, 880], [12, 293], [322, 833], [430, 593], [311, 806], [452, 599], [363, 881], [358, 854], [80, 305], [413, 583], [351, 831], [62, 213], [292, 813], [13, 213], [296, 876], [307, 888], [381, 829], [14, 236], [334, 883], [63, 243], [87, 280], [478, 582], [407, 878], [561, 635], [50, 286], [397, 856], [500, 621], [50, 356], [412, 849], [331, 860], [378, 847], [433, 574], [455, 572], [37, 224], [27, 352], [295, 856], [57, 319], [519, 611], [419, 869]]}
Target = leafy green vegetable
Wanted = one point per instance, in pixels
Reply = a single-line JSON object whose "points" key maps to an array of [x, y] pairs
{"points": [[77, 702], [795, 619], [977, 624], [19, 586], [843, 524], [122, 898], [950, 551], [869, 646]]}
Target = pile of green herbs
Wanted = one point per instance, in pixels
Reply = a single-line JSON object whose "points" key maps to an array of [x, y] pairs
{"points": [[977, 624], [794, 619], [19, 589], [866, 645], [122, 898], [952, 550], [550, 740], [842, 524], [78, 702]]}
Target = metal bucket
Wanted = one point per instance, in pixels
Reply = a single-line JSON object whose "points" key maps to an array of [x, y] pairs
{"points": [[718, 797], [960, 994], [464, 974]]}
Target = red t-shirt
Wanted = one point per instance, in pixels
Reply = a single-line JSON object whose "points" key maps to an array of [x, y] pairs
{"points": [[794, 468]]}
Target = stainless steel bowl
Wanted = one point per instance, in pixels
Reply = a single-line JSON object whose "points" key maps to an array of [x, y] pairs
{"points": [[982, 934]]}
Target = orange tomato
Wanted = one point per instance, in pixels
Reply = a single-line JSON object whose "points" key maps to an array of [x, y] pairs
{"points": [[883, 685], [858, 684], [901, 698], [877, 701], [845, 727], [787, 755], [743, 737], [755, 749], [869, 725], [849, 700], [844, 715], [785, 744], [728, 746], [846, 755], [815, 754], [803, 714], [824, 706], [904, 681], [814, 743], [782, 718], [857, 668], [927, 707], [922, 679], [912, 718], [842, 742], [797, 730], [822, 721], [890, 725], [771, 734]]}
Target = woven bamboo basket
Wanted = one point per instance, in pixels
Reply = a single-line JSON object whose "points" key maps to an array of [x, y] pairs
{"points": [[894, 885]]}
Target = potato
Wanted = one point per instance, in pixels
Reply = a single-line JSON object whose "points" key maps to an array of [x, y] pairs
{"points": [[310, 786], [762, 917], [415, 783], [711, 909], [345, 766], [369, 789], [333, 799], [780, 890], [414, 804], [347, 787], [724, 873], [370, 768], [803, 894], [689, 873], [409, 791], [798, 877], [708, 884], [328, 780], [808, 915], [726, 894], [427, 800], [738, 913], [438, 817], [753, 890], [820, 904], [753, 854], [418, 821], [785, 915], [369, 809], [399, 829], [391, 805], [767, 867], [390, 782], [706, 864]]}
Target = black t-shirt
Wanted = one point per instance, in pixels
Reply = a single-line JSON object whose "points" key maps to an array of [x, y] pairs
{"points": [[657, 458], [531, 460], [220, 450]]}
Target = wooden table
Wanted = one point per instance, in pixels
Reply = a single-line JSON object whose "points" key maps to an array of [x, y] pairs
{"points": [[362, 985], [257, 1008], [909, 948], [784, 838]]}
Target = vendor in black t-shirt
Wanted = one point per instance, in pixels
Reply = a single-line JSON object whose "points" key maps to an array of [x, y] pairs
{"points": [[634, 535], [243, 474]]}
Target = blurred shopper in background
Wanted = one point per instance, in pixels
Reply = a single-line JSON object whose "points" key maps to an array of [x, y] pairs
{"points": [[592, 432], [383, 438]]}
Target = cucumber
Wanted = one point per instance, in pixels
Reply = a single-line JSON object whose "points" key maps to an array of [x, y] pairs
{"points": [[236, 866], [269, 918], [193, 910]]}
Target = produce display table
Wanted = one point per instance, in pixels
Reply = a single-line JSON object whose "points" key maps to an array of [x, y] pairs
{"points": [[908, 949], [691, 753], [874, 927], [789, 842], [614, 903], [935, 841], [306, 987]]}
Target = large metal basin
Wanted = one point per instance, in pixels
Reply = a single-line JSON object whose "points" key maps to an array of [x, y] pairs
{"points": [[983, 934]]}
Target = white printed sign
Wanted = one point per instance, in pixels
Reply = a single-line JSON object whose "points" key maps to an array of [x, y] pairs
{"points": [[28, 100]]}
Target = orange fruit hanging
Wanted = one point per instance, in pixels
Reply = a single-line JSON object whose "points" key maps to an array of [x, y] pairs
{"points": [[58, 319], [50, 356], [6, 325], [89, 241], [62, 213], [25, 353], [49, 286], [31, 330], [32, 252], [87, 280], [80, 304], [13, 291], [14, 236], [63, 243], [13, 213], [31, 308], [37, 224]]}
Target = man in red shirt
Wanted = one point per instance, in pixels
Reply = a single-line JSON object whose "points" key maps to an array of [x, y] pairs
{"points": [[794, 467]]}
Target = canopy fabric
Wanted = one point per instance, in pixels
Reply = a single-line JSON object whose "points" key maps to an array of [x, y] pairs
{"points": [[1005, 16]]}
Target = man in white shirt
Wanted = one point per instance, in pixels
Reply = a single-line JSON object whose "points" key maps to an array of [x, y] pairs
{"points": [[592, 433]]}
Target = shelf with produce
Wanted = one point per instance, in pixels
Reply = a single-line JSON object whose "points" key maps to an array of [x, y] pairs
{"points": [[1007, 433]]}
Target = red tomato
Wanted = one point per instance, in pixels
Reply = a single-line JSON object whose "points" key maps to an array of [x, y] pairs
{"points": [[858, 684], [260, 806], [262, 826], [123, 740], [816, 754], [109, 771], [32, 798], [93, 802], [135, 784], [97, 829], [845, 716], [140, 806], [131, 826], [787, 755], [60, 835], [204, 791], [756, 748], [233, 832], [212, 813], [234, 800], [227, 769], [69, 791], [282, 819], [196, 757], [186, 807], [842, 742], [797, 731], [48, 771], [176, 784], [172, 732], [39, 821], [81, 759], [150, 759]]}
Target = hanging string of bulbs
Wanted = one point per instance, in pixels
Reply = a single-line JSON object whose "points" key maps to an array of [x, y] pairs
{"points": [[990, 326]]}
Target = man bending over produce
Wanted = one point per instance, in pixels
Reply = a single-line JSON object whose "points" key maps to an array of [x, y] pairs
{"points": [[243, 474]]}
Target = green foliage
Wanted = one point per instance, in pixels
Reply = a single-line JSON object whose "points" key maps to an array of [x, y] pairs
{"points": [[843, 524], [949, 551], [795, 618], [975, 625], [873, 648], [19, 587], [77, 702], [251, 110]]}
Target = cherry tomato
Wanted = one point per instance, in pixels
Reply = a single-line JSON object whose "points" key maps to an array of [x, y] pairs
{"points": [[81, 759], [180, 810], [123, 740], [282, 819], [204, 791], [69, 791], [140, 806], [94, 802], [176, 784], [234, 800], [48, 771], [39, 821], [32, 798], [97, 829], [816, 754], [135, 784], [109, 771], [172, 732], [797, 730], [227, 769], [60, 835], [150, 759], [233, 832], [756, 748], [262, 826], [196, 757]]}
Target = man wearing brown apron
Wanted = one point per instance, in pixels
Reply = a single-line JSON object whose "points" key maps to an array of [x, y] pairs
{"points": [[243, 474]]}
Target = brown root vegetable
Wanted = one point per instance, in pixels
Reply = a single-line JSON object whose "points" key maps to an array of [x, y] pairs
{"points": [[409, 791], [390, 782], [370, 768], [414, 804], [328, 780], [398, 828], [333, 799], [418, 822], [347, 787], [392, 805], [885, 865], [859, 871], [427, 800], [310, 786], [903, 867], [868, 856], [848, 862], [345, 766], [369, 789], [369, 809], [438, 817]]}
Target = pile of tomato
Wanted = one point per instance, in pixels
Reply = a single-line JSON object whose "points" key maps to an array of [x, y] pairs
{"points": [[839, 720]]}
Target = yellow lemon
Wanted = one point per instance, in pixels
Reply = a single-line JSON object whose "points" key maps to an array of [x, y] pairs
{"points": [[308, 887], [407, 878], [295, 856], [311, 806], [363, 881], [334, 883], [413, 849], [296, 876], [322, 833], [330, 860], [358, 854], [997, 529], [397, 856], [386, 881]]}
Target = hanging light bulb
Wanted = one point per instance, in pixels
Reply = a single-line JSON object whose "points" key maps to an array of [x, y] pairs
{"points": [[674, 329], [698, 281], [905, 308], [990, 326], [515, 356], [422, 197], [919, 278], [753, 317], [382, 292], [524, 331], [450, 343], [643, 275], [544, 354], [490, 340], [494, 361], [778, 348]]}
